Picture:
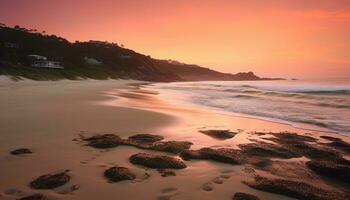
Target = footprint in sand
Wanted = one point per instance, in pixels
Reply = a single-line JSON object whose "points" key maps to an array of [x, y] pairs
{"points": [[144, 177], [168, 190], [68, 189], [208, 186], [225, 174], [218, 180], [167, 193]]}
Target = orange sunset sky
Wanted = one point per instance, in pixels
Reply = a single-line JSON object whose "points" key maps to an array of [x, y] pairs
{"points": [[273, 38]]}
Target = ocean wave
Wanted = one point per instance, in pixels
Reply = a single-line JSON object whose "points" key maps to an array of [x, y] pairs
{"points": [[331, 92], [245, 96], [313, 122], [248, 86], [332, 105], [280, 94], [243, 91], [324, 106]]}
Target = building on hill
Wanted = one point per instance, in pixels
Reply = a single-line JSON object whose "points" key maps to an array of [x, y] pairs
{"points": [[92, 61], [42, 62], [47, 64], [36, 57]]}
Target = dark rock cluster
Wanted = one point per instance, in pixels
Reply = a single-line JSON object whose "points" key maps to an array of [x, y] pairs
{"points": [[50, 181], [326, 159], [244, 196], [225, 155], [171, 146], [157, 161], [340, 145], [21, 151], [295, 189], [142, 141], [116, 174], [34, 197], [330, 169], [145, 138], [263, 149], [219, 134], [104, 141]]}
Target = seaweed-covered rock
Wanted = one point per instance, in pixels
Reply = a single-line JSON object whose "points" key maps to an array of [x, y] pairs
{"points": [[143, 141], [115, 174], [294, 189], [171, 146], [340, 145], [145, 138], [164, 146], [330, 169], [244, 196], [316, 152], [219, 134], [157, 161], [192, 154], [287, 169], [104, 141], [258, 162], [302, 145], [263, 149], [287, 137], [21, 151], [225, 155], [50, 181], [322, 154], [34, 197]]}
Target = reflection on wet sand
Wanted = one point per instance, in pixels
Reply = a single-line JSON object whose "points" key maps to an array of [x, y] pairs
{"points": [[274, 148]]}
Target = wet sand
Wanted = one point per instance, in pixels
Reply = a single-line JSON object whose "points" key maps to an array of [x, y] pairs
{"points": [[48, 117]]}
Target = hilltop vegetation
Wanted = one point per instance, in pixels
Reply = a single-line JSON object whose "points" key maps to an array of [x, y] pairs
{"points": [[112, 60]]}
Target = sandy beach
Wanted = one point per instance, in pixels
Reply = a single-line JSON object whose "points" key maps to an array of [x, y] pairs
{"points": [[52, 119]]}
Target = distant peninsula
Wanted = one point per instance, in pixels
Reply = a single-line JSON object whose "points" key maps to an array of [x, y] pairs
{"points": [[36, 55]]}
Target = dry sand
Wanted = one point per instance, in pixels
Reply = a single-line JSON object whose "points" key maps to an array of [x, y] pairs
{"points": [[47, 116]]}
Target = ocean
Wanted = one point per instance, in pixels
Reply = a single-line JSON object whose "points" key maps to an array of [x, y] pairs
{"points": [[309, 104]]}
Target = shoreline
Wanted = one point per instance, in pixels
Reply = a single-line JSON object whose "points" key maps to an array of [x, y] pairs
{"points": [[137, 101], [46, 118], [312, 119]]}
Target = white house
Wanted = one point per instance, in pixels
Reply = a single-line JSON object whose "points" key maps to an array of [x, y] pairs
{"points": [[47, 64], [42, 62], [37, 57], [92, 61]]}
